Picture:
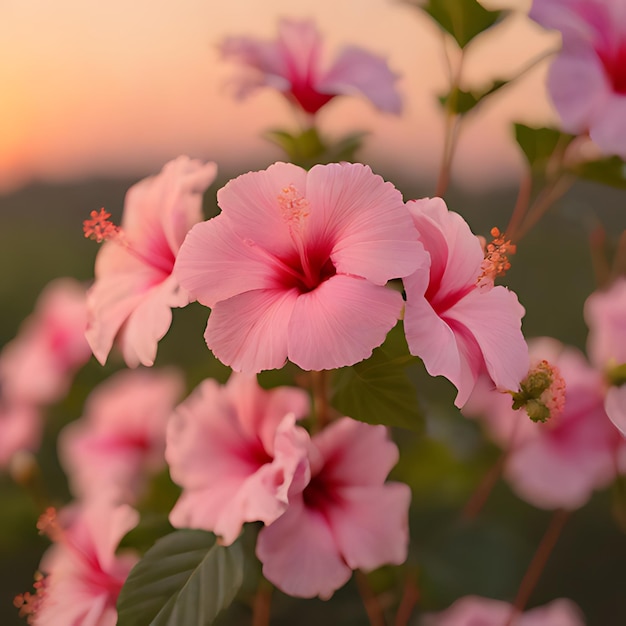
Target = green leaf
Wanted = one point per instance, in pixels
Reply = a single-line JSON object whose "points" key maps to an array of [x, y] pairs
{"points": [[463, 19], [461, 102], [538, 144], [185, 578], [610, 171], [304, 149], [378, 390]]}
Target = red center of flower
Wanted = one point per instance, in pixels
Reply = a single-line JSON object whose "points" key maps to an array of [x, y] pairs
{"points": [[614, 62], [309, 265], [308, 98]]}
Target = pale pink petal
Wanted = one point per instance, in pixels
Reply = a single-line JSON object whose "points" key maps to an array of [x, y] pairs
{"points": [[251, 201], [299, 43], [477, 611], [149, 322], [493, 319], [608, 128], [227, 473], [455, 252], [361, 454], [261, 412], [357, 71], [562, 612], [248, 332], [216, 263], [615, 406], [370, 525], [364, 220], [21, 427], [578, 89], [340, 322], [299, 554], [605, 314], [161, 209]]}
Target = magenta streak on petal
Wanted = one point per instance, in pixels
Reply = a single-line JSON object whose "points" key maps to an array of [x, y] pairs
{"points": [[614, 62]]}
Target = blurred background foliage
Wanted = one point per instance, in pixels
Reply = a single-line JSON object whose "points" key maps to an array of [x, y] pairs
{"points": [[41, 238]]}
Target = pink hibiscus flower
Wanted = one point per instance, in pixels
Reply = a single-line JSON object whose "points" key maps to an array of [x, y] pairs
{"points": [[455, 321], [293, 65], [38, 365], [346, 517], [120, 440], [559, 463], [605, 313], [83, 573], [134, 290], [296, 264], [236, 452], [477, 611], [587, 81]]}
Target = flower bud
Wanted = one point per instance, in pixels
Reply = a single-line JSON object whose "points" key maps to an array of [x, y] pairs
{"points": [[542, 393]]}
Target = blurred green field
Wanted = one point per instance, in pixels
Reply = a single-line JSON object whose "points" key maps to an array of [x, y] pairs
{"points": [[41, 238]]}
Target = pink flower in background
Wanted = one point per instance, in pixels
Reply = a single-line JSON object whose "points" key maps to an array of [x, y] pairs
{"points": [[296, 264], [456, 326], [120, 440], [38, 365], [83, 573], [346, 518], [293, 64], [237, 453], [20, 430], [559, 463], [134, 290], [587, 80], [477, 611], [605, 314]]}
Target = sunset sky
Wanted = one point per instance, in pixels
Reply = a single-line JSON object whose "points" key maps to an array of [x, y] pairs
{"points": [[89, 88]]}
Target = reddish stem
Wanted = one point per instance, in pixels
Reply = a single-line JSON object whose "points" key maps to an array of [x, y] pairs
{"points": [[370, 601], [538, 563]]}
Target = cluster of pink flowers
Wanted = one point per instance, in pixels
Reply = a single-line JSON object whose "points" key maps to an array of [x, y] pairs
{"points": [[240, 457], [37, 367]]}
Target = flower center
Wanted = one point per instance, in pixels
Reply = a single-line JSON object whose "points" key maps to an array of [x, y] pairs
{"points": [[614, 62]]}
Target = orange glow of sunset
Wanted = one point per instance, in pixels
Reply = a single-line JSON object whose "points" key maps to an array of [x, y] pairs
{"points": [[105, 89]]}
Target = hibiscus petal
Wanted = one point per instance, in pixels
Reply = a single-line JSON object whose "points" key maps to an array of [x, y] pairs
{"points": [[371, 525], [299, 554], [215, 262], [248, 332], [362, 454], [251, 201], [615, 406], [357, 71], [341, 322], [365, 221], [493, 318]]}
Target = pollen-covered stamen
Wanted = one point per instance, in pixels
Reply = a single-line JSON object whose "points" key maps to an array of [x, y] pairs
{"points": [[542, 392], [496, 262], [99, 227], [48, 524], [29, 603], [295, 208]]}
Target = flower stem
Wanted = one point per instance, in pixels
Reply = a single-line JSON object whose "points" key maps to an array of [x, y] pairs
{"points": [[320, 391], [538, 563], [262, 604], [372, 606], [410, 597]]}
